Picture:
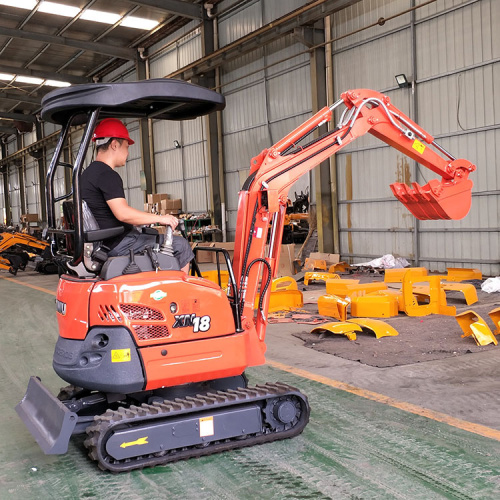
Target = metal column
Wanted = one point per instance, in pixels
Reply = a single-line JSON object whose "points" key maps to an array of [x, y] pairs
{"points": [[208, 80], [324, 208]]}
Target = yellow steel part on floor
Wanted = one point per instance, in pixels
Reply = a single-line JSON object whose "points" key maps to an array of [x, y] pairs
{"points": [[473, 325], [379, 328], [459, 274], [284, 295], [349, 288], [319, 276], [374, 306], [396, 275], [343, 328], [495, 317], [437, 299], [334, 306], [468, 290]]}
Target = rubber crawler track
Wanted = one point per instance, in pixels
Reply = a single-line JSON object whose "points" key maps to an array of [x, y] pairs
{"points": [[103, 426]]}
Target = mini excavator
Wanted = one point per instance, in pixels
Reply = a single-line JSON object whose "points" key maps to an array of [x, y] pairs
{"points": [[156, 358], [14, 248]]}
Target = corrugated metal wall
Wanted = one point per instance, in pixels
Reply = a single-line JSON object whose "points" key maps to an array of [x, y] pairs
{"points": [[31, 178], [15, 194], [263, 103], [3, 213], [454, 62], [181, 168]]}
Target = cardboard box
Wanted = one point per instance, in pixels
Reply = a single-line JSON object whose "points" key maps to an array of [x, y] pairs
{"points": [[171, 204], [172, 212], [175, 204], [288, 265], [229, 246], [201, 256], [29, 218], [329, 258], [287, 257], [156, 198]]}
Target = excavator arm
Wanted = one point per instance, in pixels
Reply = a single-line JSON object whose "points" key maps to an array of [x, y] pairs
{"points": [[263, 198]]}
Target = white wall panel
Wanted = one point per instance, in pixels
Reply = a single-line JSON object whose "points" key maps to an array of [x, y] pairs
{"points": [[196, 195], [363, 14], [274, 10], [170, 56], [181, 171], [240, 22], [374, 65], [3, 212], [168, 167], [32, 187], [11, 145], [241, 147], [15, 194]]}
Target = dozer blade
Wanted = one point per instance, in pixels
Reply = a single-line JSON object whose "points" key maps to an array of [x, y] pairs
{"points": [[48, 420], [437, 199]]}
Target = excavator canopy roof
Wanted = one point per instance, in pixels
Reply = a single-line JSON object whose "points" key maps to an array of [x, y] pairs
{"points": [[159, 98]]}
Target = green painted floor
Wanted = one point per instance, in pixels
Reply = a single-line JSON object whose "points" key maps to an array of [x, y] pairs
{"points": [[352, 448]]}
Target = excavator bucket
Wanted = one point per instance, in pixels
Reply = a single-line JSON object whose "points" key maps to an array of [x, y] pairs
{"points": [[48, 420], [437, 199]]}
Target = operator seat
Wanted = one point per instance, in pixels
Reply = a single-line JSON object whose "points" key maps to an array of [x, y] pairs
{"points": [[95, 258]]}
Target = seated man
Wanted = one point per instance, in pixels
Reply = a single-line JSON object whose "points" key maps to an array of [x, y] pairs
{"points": [[102, 189]]}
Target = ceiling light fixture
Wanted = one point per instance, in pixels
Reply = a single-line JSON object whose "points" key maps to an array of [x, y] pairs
{"points": [[99, 16], [57, 83], [139, 23], [58, 9], [6, 76], [20, 4], [29, 79]]}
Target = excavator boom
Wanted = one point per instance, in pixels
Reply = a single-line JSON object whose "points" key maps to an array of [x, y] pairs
{"points": [[272, 173]]}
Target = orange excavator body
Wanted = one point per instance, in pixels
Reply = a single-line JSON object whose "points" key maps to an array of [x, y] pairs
{"points": [[127, 338]]}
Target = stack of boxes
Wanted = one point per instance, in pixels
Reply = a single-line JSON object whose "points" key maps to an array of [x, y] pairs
{"points": [[27, 220], [161, 204]]}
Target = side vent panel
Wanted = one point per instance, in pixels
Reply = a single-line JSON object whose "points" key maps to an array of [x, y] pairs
{"points": [[135, 312], [150, 332], [107, 313]]}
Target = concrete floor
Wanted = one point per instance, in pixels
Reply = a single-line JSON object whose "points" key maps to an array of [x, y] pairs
{"points": [[373, 446]]}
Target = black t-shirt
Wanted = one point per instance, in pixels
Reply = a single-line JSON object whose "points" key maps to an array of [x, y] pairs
{"points": [[98, 184]]}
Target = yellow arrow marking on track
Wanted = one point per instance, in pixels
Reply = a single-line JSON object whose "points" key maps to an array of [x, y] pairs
{"points": [[143, 440]]}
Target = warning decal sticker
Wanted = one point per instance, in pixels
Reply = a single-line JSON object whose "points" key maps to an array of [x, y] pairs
{"points": [[120, 355]]}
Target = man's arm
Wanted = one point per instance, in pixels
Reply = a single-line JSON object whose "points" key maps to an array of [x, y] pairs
{"points": [[125, 213]]}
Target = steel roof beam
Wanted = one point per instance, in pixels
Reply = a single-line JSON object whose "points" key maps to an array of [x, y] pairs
{"points": [[184, 9], [21, 97], [21, 117], [98, 48], [7, 130]]}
